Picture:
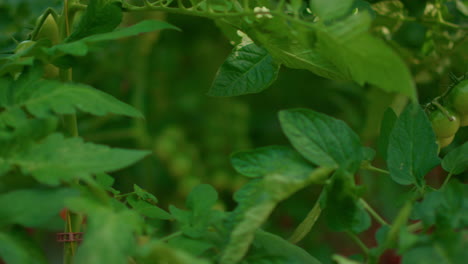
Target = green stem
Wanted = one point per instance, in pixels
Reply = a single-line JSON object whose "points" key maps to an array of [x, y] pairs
{"points": [[184, 11], [444, 110], [176, 234], [400, 221], [73, 220], [306, 225], [369, 167], [97, 191], [440, 18], [415, 227], [319, 175], [446, 180], [373, 212], [245, 4], [358, 241]]}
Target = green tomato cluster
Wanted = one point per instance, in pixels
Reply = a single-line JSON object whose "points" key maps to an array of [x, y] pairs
{"points": [[446, 124], [458, 98]]}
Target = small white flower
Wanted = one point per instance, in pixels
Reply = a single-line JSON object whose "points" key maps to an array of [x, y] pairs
{"points": [[257, 9], [261, 12]]}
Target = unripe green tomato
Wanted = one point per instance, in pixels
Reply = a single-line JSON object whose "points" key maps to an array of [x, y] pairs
{"points": [[443, 142], [459, 98], [24, 45], [464, 120], [443, 127], [49, 30]]}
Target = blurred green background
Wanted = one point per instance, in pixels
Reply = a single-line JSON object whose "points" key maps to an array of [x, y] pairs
{"points": [[167, 74]]}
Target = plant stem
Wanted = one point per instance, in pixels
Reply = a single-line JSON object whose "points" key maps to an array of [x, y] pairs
{"points": [[369, 167], [444, 111], [373, 212], [306, 225], [73, 220], [447, 179], [184, 11], [399, 222], [358, 241], [176, 234]]}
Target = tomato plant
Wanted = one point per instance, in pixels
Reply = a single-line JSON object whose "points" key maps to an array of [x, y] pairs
{"points": [[263, 131]]}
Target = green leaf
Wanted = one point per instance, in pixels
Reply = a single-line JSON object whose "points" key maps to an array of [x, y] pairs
{"points": [[64, 159], [163, 253], [412, 148], [81, 47], [331, 9], [202, 198], [254, 207], [343, 260], [266, 160], [341, 205], [456, 161], [42, 97], [33, 207], [192, 246], [441, 247], [22, 132], [109, 237], [248, 69], [257, 199], [147, 209], [368, 153], [18, 247], [293, 45], [201, 216], [144, 195], [462, 7], [366, 59], [445, 207], [424, 255], [388, 121], [321, 139], [406, 239], [267, 244], [101, 16], [106, 181]]}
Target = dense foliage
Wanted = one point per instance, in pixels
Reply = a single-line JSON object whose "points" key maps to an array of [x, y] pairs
{"points": [[233, 131]]}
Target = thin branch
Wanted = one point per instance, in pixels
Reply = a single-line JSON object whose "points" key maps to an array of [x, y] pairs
{"points": [[358, 241], [373, 212], [306, 225]]}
